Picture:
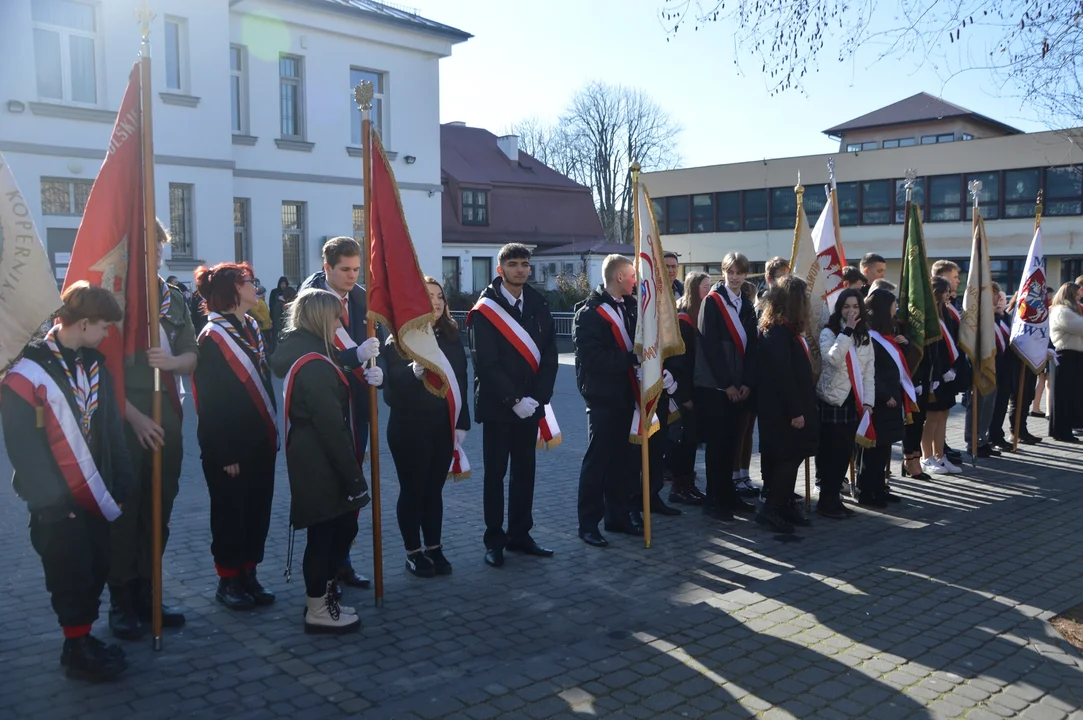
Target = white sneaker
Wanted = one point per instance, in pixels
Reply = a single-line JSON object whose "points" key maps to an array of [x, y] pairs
{"points": [[324, 616], [950, 467]]}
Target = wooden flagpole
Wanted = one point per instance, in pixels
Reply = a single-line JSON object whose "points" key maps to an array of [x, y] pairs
{"points": [[363, 96], [975, 191], [150, 230], [644, 421], [1022, 361]]}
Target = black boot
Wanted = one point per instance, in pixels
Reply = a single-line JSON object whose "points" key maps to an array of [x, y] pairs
{"points": [[123, 620], [682, 491], [252, 586], [232, 594], [87, 658], [144, 602]]}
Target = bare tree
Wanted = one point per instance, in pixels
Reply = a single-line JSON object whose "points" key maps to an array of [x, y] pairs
{"points": [[1032, 48], [603, 130]]}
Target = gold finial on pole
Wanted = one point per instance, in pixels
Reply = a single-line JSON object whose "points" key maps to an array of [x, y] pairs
{"points": [[362, 95], [145, 15], [1039, 208]]}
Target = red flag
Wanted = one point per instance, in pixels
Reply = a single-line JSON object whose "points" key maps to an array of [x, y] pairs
{"points": [[110, 247], [396, 293]]}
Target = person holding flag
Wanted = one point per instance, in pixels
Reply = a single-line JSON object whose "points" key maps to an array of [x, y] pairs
{"points": [[978, 339], [895, 401], [515, 369]]}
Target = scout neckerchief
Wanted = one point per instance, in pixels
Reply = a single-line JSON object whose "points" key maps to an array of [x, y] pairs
{"points": [[84, 385]]}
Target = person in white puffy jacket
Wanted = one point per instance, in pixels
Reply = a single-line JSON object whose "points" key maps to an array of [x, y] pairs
{"points": [[847, 360], [1066, 332]]}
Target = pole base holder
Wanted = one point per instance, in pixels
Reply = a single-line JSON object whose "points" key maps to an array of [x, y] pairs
{"points": [[157, 644]]}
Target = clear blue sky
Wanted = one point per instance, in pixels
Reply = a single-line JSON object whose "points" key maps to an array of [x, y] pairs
{"points": [[527, 58]]}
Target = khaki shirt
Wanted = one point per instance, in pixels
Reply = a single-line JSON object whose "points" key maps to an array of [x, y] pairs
{"points": [[139, 377]]}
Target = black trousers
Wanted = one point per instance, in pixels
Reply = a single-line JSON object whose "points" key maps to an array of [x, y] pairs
{"points": [[833, 456], [681, 455], [1030, 382], [501, 441], [871, 470], [912, 433], [240, 510], [75, 556], [422, 449], [326, 545], [603, 477], [656, 447], [780, 479], [1068, 393], [1000, 410], [719, 422]]}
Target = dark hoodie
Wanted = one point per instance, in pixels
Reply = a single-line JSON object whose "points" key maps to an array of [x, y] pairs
{"points": [[326, 480]]}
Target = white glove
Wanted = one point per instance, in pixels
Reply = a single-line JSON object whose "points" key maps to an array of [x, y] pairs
{"points": [[418, 369], [460, 435], [1051, 353], [936, 384], [374, 376], [949, 376], [668, 383], [918, 389], [525, 407], [368, 350], [639, 373]]}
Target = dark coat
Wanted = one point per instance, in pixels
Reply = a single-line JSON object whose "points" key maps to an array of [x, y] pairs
{"points": [[326, 480], [787, 392], [411, 402], [502, 376], [231, 427], [887, 422], [601, 364], [38, 480], [719, 363], [683, 367]]}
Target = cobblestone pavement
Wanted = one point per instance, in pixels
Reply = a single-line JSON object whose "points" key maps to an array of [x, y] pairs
{"points": [[936, 608]]}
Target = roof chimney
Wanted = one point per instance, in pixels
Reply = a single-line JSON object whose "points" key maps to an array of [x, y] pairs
{"points": [[509, 145]]}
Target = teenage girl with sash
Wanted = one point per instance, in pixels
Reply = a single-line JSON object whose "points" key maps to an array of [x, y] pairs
{"points": [[327, 485], [425, 443], [237, 431], [948, 360], [895, 401], [682, 461]]}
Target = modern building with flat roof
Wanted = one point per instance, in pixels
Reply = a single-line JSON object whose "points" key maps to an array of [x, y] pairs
{"points": [[750, 207]]}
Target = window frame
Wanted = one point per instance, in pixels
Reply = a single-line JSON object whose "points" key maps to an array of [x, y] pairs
{"points": [[863, 204], [182, 221], [183, 78], [297, 235], [298, 82], [358, 216], [451, 283], [474, 264], [378, 116], [990, 209], [931, 207], [676, 201], [65, 33], [721, 199], [898, 199], [475, 207], [240, 76], [74, 199], [244, 253], [900, 143], [1028, 203], [708, 223], [1048, 199], [785, 221], [746, 217]]}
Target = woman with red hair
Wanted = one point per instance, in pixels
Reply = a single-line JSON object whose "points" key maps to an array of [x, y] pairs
{"points": [[237, 431]]}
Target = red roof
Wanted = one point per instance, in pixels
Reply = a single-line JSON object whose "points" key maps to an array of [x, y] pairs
{"points": [[528, 202]]}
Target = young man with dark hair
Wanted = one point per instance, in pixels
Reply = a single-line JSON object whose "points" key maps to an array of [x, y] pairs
{"points": [[873, 267], [59, 402], [515, 368], [131, 540], [341, 269], [853, 278], [673, 267]]}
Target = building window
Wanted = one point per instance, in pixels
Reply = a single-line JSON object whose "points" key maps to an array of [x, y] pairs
{"points": [[988, 198], [64, 197], [659, 206], [238, 88], [702, 213], [876, 202], [899, 142], [1070, 269], [176, 54], [858, 147], [945, 198], [1064, 190], [729, 211], [754, 207], [65, 50], [918, 196], [181, 229], [814, 200], [783, 208], [377, 114], [292, 92], [481, 271], [934, 139], [242, 251], [475, 207], [449, 268], [1007, 272], [362, 240], [848, 203], [677, 214], [293, 241], [967, 136], [1021, 192]]}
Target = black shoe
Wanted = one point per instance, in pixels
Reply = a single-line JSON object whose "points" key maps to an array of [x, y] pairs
{"points": [[831, 508], [737, 505], [253, 587], [770, 516], [171, 618], [232, 594], [953, 455], [635, 519], [920, 476], [123, 620], [659, 507], [1067, 439], [347, 576], [494, 558], [527, 546], [868, 499], [716, 512], [1029, 439], [593, 538], [795, 513], [890, 497], [846, 510], [420, 565], [1003, 444], [682, 495], [87, 658], [439, 563], [626, 528], [1037, 414]]}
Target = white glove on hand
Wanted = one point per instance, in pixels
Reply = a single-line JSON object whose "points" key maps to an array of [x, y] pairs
{"points": [[460, 435], [936, 384], [949, 376], [668, 383], [918, 389], [374, 376], [418, 369], [525, 407], [368, 350]]}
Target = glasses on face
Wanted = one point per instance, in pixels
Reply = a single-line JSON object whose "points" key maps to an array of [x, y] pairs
{"points": [[247, 281]]}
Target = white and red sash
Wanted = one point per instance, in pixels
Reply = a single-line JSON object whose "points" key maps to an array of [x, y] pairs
{"points": [[460, 464], [733, 321], [620, 333], [343, 341], [287, 394], [949, 341], [548, 431], [36, 387], [686, 319], [866, 433], [242, 366], [954, 313], [910, 395], [1003, 332], [804, 346]]}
